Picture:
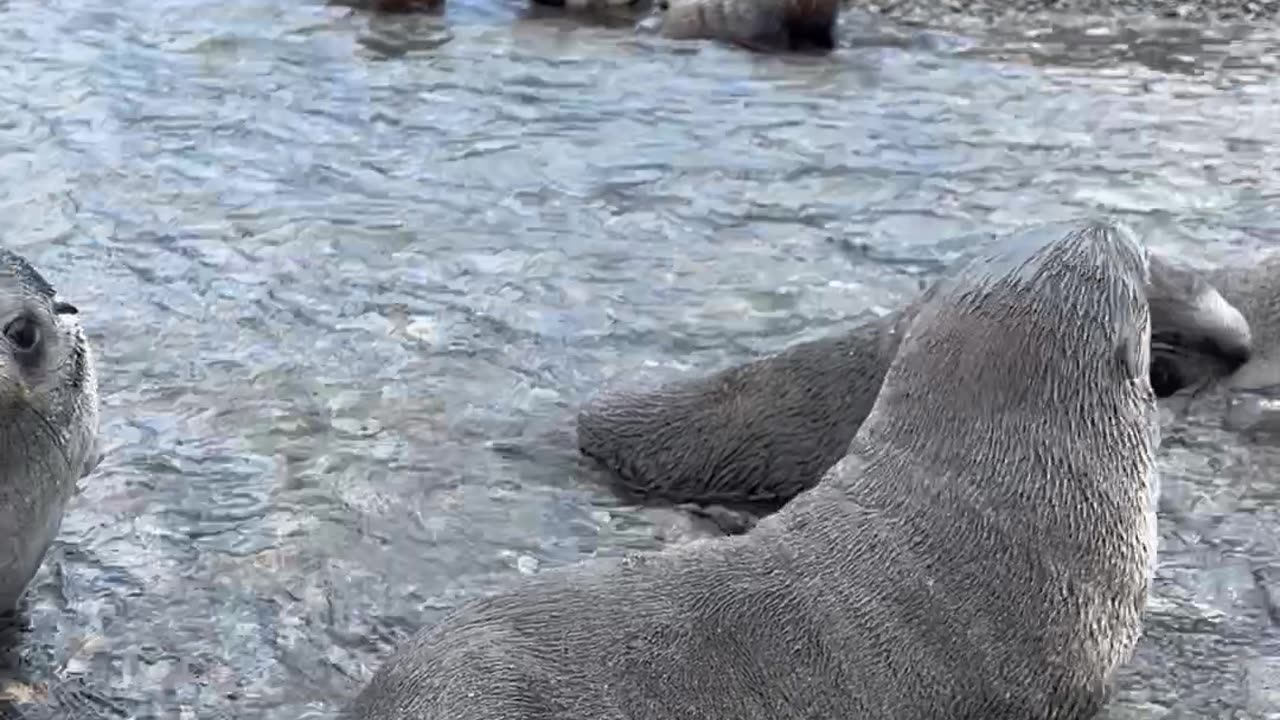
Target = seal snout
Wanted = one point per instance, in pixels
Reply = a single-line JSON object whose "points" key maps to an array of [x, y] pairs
{"points": [[1197, 336], [1228, 338]]}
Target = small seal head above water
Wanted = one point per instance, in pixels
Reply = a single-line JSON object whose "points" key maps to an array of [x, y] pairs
{"points": [[1197, 337], [1254, 287], [983, 551], [762, 25], [759, 433], [48, 419]]}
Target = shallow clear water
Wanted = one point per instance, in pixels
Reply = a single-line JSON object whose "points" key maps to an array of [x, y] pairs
{"points": [[348, 278]]}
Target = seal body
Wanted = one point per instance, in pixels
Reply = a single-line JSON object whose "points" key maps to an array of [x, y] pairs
{"points": [[764, 25], [48, 419], [760, 433], [983, 551]]}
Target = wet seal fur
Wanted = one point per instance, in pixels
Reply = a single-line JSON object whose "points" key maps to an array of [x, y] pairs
{"points": [[48, 419], [753, 436], [761, 25], [984, 550]]}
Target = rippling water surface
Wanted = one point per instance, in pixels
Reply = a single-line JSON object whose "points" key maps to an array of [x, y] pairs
{"points": [[349, 276]]}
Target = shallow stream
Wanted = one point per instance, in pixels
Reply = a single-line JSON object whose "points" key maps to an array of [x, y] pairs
{"points": [[349, 276]]}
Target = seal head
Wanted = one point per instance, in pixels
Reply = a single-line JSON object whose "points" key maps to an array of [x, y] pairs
{"points": [[1197, 337], [982, 551], [1254, 287], [48, 419]]}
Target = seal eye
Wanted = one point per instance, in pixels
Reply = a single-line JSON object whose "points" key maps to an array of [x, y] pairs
{"points": [[24, 333]]}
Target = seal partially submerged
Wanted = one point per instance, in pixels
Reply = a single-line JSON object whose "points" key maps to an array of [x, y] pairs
{"points": [[982, 551], [48, 419], [760, 433]]}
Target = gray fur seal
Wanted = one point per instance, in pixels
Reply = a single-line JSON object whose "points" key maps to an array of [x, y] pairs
{"points": [[758, 434], [762, 25], [983, 551], [48, 419]]}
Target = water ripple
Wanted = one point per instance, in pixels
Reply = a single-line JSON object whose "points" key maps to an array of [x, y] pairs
{"points": [[349, 276]]}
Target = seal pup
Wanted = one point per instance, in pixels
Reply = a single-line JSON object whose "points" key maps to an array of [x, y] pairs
{"points": [[983, 551], [761, 25], [48, 419], [755, 435]]}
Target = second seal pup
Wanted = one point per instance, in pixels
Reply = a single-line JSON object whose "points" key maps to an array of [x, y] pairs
{"points": [[48, 419], [762, 432], [982, 552]]}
